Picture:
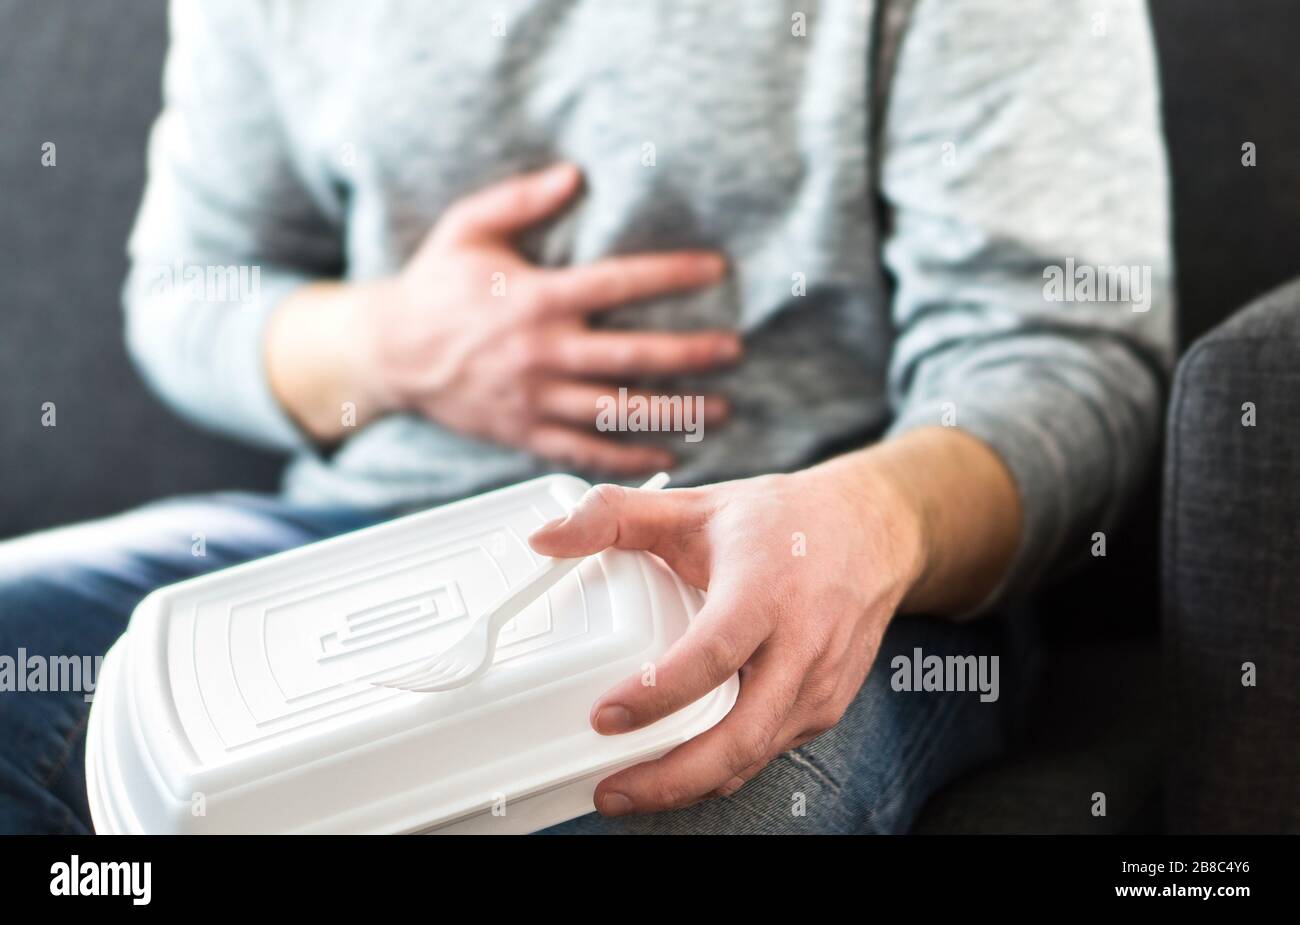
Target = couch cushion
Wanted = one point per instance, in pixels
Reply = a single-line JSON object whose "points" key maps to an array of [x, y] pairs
{"points": [[85, 76], [1093, 728], [1232, 575]]}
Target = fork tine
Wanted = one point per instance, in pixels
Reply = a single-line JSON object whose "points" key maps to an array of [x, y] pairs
{"points": [[446, 677], [435, 674], [414, 676], [445, 665], [448, 680], [474, 665], [398, 675]]}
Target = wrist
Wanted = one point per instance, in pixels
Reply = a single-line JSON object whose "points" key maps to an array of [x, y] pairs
{"points": [[315, 364], [362, 358], [869, 484], [959, 503]]}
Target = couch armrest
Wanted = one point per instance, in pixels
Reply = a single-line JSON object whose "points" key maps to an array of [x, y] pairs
{"points": [[1231, 575]]}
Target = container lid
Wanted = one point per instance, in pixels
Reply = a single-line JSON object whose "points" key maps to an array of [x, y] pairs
{"points": [[239, 701]]}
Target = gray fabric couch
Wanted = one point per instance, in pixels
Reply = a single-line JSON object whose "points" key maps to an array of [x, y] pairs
{"points": [[1196, 751], [1232, 575], [86, 77]]}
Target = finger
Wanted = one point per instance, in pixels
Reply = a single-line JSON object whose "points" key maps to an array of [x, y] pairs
{"points": [[611, 515], [721, 638], [582, 403], [707, 762], [596, 454], [811, 716], [621, 353], [616, 281], [510, 206], [794, 733]]}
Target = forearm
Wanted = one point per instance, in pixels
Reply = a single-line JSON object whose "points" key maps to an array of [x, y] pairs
{"points": [[1066, 393], [962, 511], [315, 361]]}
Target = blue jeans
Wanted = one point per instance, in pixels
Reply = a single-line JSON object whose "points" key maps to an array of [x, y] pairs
{"points": [[70, 592]]}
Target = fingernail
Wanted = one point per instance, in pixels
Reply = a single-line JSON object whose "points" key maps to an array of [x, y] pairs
{"points": [[612, 719], [729, 349], [615, 804]]}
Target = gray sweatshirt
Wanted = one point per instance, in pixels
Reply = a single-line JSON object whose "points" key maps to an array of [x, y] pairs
{"points": [[987, 248]]}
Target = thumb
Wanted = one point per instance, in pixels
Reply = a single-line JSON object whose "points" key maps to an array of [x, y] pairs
{"points": [[610, 515]]}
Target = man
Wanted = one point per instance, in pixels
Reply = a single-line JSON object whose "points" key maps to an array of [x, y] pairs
{"points": [[838, 224]]}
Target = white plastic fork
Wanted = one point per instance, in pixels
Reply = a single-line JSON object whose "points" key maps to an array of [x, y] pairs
{"points": [[471, 655]]}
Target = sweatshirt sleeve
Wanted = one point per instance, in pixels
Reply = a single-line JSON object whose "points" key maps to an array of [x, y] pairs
{"points": [[1024, 175], [227, 228]]}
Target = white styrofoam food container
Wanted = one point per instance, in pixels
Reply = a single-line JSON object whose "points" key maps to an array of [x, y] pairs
{"points": [[239, 701]]}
